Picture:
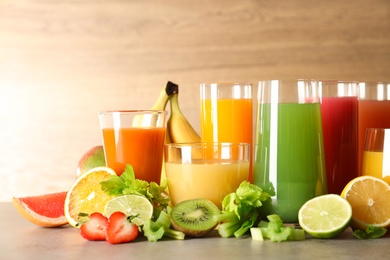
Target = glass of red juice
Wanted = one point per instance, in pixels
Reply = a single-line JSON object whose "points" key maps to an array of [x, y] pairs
{"points": [[339, 104], [373, 111], [134, 137], [289, 160]]}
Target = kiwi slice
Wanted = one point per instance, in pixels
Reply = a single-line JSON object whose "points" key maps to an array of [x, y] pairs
{"points": [[195, 217]]}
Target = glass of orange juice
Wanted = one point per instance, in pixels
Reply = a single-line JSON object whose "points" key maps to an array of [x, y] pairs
{"points": [[227, 113], [376, 154], [134, 137], [205, 170]]}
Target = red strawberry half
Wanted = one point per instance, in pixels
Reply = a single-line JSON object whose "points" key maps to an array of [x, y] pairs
{"points": [[95, 228], [120, 229]]}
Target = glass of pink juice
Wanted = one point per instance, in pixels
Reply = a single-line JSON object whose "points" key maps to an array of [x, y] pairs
{"points": [[205, 170], [134, 137], [289, 160], [339, 104], [226, 113], [376, 154], [373, 111]]}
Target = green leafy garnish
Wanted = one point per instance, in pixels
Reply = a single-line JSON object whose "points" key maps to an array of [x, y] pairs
{"points": [[370, 233], [240, 210], [127, 184]]}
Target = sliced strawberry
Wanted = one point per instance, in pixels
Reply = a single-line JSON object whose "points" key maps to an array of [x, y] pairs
{"points": [[95, 228], [120, 229]]}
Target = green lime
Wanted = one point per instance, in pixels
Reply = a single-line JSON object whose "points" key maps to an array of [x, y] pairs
{"points": [[131, 205], [325, 216]]}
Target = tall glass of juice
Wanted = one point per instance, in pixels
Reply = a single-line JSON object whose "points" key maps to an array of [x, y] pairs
{"points": [[376, 154], [339, 104], [289, 153], [205, 170], [134, 137], [226, 113], [373, 111]]}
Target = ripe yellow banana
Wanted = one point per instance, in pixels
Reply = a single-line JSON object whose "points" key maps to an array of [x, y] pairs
{"points": [[161, 102], [178, 127]]}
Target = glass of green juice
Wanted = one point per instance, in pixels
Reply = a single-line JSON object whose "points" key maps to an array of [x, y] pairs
{"points": [[289, 160], [205, 170]]}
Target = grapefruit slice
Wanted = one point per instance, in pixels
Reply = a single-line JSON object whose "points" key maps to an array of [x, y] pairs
{"points": [[43, 210]]}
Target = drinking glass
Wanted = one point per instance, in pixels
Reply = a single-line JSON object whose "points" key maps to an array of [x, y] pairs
{"points": [[289, 153], [373, 111], [205, 170], [227, 113], [376, 155], [339, 104], [134, 137]]}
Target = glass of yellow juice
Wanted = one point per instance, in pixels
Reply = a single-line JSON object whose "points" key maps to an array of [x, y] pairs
{"points": [[205, 170], [226, 113], [376, 153]]}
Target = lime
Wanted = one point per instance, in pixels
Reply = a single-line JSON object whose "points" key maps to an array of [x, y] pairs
{"points": [[325, 216], [131, 205]]}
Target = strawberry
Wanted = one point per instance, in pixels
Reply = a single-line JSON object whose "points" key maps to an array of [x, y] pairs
{"points": [[120, 229], [95, 228]]}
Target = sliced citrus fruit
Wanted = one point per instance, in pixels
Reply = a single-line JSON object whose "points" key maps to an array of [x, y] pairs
{"points": [[45, 210], [370, 200], [131, 205], [325, 216], [86, 195]]}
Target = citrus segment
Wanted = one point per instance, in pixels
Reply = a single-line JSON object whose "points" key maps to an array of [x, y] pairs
{"points": [[86, 195], [131, 205], [43, 210], [370, 200], [325, 216]]}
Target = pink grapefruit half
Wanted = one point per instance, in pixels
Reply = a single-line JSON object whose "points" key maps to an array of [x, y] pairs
{"points": [[43, 210]]}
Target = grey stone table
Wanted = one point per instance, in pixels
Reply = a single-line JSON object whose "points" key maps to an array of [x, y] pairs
{"points": [[19, 239]]}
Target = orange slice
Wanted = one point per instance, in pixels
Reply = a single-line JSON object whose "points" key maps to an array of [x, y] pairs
{"points": [[43, 210], [370, 200], [86, 195]]}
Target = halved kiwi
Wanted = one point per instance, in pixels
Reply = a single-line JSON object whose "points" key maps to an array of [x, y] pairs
{"points": [[194, 217]]}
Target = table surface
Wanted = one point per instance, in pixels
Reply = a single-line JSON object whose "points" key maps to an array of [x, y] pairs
{"points": [[21, 239]]}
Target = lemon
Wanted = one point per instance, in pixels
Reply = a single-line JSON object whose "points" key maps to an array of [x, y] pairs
{"points": [[131, 205], [370, 200], [86, 195], [325, 216]]}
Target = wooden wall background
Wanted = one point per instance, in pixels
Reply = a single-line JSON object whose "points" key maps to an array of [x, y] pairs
{"points": [[63, 61]]}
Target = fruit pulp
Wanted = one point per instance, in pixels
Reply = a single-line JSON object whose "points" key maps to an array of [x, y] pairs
{"points": [[339, 127], [201, 179], [373, 164], [140, 147], [289, 156], [371, 114], [227, 120]]}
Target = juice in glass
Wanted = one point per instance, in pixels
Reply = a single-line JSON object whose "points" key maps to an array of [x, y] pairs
{"points": [[140, 147], [376, 153], [227, 114], [289, 156], [226, 120], [205, 170], [339, 126], [202, 179], [134, 137], [371, 114]]}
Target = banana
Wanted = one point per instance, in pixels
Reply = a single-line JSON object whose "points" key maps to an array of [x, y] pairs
{"points": [[179, 129], [161, 102]]}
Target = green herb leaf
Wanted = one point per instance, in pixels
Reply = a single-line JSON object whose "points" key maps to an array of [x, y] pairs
{"points": [[128, 184], [371, 232]]}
